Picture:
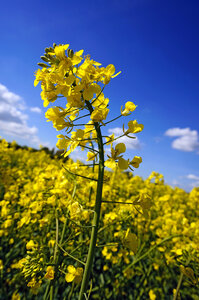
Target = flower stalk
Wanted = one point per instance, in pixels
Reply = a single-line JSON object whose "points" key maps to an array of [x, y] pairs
{"points": [[97, 209]]}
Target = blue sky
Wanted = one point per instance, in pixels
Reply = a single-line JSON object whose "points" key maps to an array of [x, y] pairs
{"points": [[155, 45]]}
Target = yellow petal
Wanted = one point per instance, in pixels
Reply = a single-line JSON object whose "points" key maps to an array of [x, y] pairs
{"points": [[71, 269], [110, 163], [120, 148], [130, 241], [69, 277], [91, 156], [79, 53], [123, 164]]}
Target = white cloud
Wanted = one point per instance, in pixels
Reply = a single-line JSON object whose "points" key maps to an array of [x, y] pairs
{"points": [[192, 177], [8, 97], [35, 109], [130, 143], [188, 140], [13, 120]]}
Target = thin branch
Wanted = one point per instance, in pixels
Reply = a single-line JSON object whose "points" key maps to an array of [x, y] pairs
{"points": [[82, 117], [83, 124], [178, 286], [114, 139], [108, 245], [119, 202], [89, 178], [81, 262], [89, 148], [113, 120], [82, 226], [89, 165]]}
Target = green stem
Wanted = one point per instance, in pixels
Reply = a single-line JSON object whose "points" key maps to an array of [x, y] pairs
{"points": [[97, 209], [178, 286], [51, 292], [55, 256], [180, 281], [71, 291], [81, 262]]}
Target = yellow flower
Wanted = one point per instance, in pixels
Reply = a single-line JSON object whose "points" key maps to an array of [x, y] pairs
{"points": [[55, 113], [134, 127], [110, 163], [75, 210], [110, 139], [50, 273], [7, 223], [123, 164], [115, 155], [51, 243], [98, 115], [91, 156], [105, 268], [130, 241], [16, 296], [32, 283], [11, 241], [40, 75], [62, 142], [120, 148], [136, 161], [30, 245], [152, 295], [74, 274], [59, 51], [1, 264], [108, 72], [129, 107], [89, 91]]}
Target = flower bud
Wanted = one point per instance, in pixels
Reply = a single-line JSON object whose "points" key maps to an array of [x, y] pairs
{"points": [[43, 65], [44, 58]]}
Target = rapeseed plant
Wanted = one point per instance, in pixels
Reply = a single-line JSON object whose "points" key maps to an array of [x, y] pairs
{"points": [[81, 82]]}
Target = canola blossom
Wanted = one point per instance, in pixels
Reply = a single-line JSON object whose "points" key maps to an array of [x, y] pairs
{"points": [[145, 226], [80, 82]]}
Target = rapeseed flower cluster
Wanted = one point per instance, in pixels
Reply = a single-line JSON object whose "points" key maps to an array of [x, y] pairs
{"points": [[35, 191], [80, 81]]}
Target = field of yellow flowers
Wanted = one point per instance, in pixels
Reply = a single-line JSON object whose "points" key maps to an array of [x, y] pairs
{"points": [[148, 238]]}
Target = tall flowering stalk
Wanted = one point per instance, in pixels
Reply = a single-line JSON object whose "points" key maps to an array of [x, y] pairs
{"points": [[80, 81]]}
